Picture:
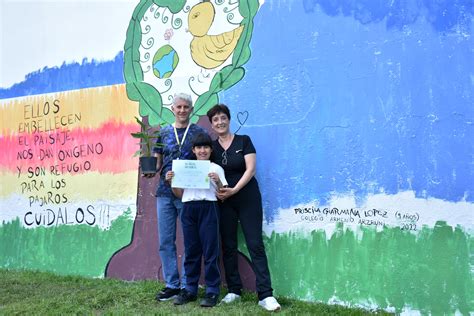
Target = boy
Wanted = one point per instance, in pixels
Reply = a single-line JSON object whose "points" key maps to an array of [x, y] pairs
{"points": [[200, 223]]}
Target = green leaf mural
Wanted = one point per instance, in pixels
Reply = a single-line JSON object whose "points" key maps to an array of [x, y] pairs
{"points": [[391, 268], [173, 5], [65, 249], [206, 98]]}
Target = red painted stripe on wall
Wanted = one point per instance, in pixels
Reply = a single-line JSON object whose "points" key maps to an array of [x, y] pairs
{"points": [[108, 149]]}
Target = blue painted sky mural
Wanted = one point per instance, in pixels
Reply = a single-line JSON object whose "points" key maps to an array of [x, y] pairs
{"points": [[371, 106], [68, 76], [362, 97]]}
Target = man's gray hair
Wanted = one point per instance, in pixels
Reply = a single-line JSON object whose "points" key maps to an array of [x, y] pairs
{"points": [[184, 97]]}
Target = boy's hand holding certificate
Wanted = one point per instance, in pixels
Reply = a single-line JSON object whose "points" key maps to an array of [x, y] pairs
{"points": [[191, 174]]}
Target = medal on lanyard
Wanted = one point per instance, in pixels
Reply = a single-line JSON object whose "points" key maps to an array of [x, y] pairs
{"points": [[180, 143]]}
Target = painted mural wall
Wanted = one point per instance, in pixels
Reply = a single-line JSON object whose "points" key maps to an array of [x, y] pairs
{"points": [[67, 179], [361, 113]]}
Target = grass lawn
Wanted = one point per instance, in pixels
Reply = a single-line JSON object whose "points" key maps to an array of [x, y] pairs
{"points": [[29, 292]]}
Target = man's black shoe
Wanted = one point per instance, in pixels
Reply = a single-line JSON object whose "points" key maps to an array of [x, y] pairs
{"points": [[184, 297], [167, 294], [210, 300]]}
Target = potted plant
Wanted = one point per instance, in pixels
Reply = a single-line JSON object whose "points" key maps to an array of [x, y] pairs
{"points": [[148, 137]]}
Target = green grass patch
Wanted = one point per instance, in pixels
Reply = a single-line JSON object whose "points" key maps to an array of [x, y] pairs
{"points": [[29, 292]]}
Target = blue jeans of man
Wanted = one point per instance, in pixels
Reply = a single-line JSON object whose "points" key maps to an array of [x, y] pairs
{"points": [[169, 209]]}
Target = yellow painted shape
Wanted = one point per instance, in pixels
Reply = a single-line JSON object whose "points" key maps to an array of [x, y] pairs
{"points": [[87, 186], [200, 18], [95, 106], [211, 51]]}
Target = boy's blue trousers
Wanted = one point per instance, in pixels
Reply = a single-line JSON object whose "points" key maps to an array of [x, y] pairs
{"points": [[200, 224]]}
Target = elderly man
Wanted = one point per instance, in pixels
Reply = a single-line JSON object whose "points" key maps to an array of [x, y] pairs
{"points": [[176, 140]]}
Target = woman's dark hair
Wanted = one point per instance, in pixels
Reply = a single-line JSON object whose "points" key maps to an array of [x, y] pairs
{"points": [[216, 109], [202, 140]]}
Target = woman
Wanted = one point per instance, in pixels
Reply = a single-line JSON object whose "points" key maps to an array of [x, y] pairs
{"points": [[241, 201]]}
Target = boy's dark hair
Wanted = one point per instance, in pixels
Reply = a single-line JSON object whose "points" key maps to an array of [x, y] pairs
{"points": [[202, 140], [216, 109]]}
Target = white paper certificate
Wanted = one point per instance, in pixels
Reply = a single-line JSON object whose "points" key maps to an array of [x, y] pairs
{"points": [[191, 174]]}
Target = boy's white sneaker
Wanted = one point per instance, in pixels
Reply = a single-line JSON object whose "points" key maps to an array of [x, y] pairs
{"points": [[230, 298], [270, 304]]}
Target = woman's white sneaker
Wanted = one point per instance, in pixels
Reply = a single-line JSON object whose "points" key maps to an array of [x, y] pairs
{"points": [[230, 298], [270, 304]]}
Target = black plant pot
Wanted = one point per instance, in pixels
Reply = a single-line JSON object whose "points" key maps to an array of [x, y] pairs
{"points": [[148, 165]]}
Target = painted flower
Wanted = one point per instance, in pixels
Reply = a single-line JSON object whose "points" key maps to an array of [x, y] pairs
{"points": [[168, 34]]}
